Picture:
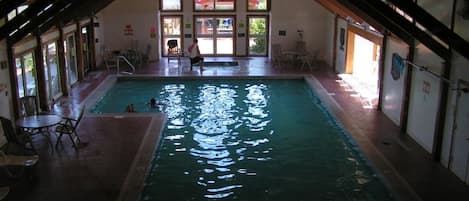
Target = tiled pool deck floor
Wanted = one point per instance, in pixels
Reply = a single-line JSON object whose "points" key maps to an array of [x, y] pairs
{"points": [[106, 167]]}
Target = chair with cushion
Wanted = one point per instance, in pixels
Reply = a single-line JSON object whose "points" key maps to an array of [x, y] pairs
{"points": [[17, 143], [69, 127], [173, 50]]}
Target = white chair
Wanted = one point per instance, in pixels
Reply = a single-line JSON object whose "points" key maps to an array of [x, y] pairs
{"points": [[278, 57]]}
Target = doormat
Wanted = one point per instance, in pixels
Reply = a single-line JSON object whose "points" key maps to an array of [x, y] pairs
{"points": [[221, 63]]}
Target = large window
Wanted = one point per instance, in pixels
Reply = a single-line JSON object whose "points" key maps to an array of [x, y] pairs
{"points": [[71, 59], [171, 5], [258, 5], [257, 35], [51, 68], [171, 30], [215, 35], [26, 75], [214, 5]]}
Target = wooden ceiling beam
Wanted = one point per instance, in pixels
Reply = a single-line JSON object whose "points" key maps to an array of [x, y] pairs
{"points": [[37, 21], [397, 24], [23, 17], [6, 6], [344, 12]]}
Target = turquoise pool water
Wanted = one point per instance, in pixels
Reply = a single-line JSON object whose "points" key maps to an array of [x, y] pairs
{"points": [[246, 140]]}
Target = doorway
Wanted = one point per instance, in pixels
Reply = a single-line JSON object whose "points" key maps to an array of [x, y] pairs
{"points": [[362, 65], [26, 74], [70, 59], [215, 35], [51, 71], [171, 29], [257, 35]]}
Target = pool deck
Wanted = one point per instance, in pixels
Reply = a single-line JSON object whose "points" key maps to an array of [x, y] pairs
{"points": [[116, 148]]}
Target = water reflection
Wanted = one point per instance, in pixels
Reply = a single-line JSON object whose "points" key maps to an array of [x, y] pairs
{"points": [[219, 116]]}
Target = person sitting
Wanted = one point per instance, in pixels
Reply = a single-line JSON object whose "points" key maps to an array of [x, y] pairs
{"points": [[195, 55], [130, 108]]}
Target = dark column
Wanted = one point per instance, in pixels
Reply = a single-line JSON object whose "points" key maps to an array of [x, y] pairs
{"points": [[40, 74], [381, 70], [79, 49], [92, 48], [62, 65], [407, 89]]}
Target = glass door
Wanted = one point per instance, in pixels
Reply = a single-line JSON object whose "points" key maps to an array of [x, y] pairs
{"points": [[51, 68], [215, 35], [257, 35], [71, 59], [171, 30], [26, 75]]}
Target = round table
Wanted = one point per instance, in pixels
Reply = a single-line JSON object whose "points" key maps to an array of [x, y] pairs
{"points": [[39, 121]]}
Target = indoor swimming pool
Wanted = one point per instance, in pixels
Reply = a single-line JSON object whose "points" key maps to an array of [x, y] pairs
{"points": [[246, 139]]}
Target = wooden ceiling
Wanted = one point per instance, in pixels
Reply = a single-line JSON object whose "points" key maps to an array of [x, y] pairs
{"points": [[41, 15]]}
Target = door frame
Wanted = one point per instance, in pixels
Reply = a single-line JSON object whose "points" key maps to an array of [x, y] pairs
{"points": [[267, 36], [181, 38], [214, 33]]}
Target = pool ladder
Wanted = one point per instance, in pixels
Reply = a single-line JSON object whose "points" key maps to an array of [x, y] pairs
{"points": [[128, 63]]}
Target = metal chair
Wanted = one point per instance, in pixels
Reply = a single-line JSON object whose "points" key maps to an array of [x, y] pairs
{"points": [[278, 57], [69, 127]]}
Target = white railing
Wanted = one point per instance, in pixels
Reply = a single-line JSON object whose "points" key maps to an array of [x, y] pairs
{"points": [[128, 63]]}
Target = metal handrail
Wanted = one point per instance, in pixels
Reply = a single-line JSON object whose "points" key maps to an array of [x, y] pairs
{"points": [[128, 62]]}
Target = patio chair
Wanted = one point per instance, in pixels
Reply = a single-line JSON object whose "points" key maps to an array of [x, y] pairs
{"points": [[28, 106], [69, 127], [17, 143], [146, 54], [278, 57]]}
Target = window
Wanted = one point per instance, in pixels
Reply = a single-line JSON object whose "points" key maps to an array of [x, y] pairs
{"points": [[214, 5], [171, 5], [51, 70], [26, 75], [70, 59], [215, 34], [258, 5], [257, 35]]}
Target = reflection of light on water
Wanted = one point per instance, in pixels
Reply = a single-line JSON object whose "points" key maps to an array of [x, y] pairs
{"points": [[218, 125]]}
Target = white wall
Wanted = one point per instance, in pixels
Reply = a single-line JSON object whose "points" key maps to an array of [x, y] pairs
{"points": [[6, 104], [424, 99], [140, 14], [304, 15], [393, 90], [341, 50], [460, 70]]}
